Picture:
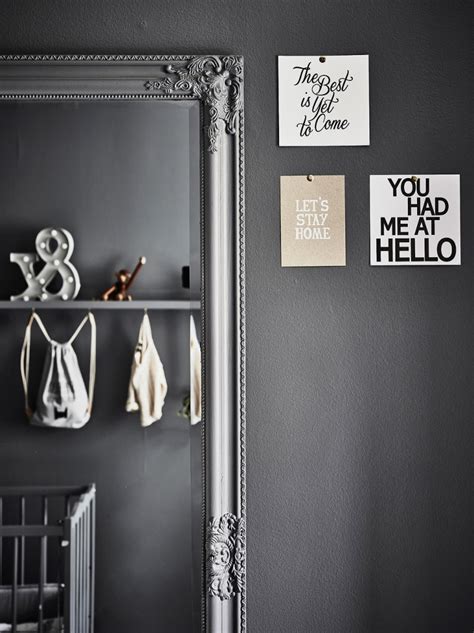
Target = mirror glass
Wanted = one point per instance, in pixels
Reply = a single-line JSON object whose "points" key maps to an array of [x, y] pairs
{"points": [[123, 178]]}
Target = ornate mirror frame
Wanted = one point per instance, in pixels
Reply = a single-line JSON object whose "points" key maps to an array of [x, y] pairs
{"points": [[217, 82]]}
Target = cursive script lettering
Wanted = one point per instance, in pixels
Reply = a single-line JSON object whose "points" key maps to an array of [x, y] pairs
{"points": [[321, 100]]}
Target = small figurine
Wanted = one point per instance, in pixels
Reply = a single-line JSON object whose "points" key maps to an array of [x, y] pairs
{"points": [[119, 291]]}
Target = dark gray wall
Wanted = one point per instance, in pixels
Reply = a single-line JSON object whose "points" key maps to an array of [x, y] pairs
{"points": [[359, 379], [98, 169], [123, 178]]}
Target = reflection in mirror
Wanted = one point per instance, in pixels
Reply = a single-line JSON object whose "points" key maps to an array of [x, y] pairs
{"points": [[123, 179]]}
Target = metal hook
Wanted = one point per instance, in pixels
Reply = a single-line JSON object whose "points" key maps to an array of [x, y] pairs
{"points": [[310, 177]]}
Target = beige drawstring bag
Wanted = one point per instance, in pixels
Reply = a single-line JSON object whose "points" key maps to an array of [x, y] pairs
{"points": [[148, 387], [195, 374]]}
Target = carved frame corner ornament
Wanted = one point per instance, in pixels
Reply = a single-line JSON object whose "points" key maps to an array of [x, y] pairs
{"points": [[225, 562], [216, 81]]}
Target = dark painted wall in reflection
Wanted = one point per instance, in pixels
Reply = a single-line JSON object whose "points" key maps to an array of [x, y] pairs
{"points": [[120, 176]]}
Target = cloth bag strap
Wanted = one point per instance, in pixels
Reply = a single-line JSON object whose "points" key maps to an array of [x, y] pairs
{"points": [[25, 356], [92, 361]]}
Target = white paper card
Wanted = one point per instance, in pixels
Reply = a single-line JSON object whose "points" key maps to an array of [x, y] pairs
{"points": [[415, 220], [324, 102]]}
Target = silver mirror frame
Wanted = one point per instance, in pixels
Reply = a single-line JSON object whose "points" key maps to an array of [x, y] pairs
{"points": [[217, 82]]}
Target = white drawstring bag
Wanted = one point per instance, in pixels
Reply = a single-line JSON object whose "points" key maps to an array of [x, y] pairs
{"points": [[63, 401]]}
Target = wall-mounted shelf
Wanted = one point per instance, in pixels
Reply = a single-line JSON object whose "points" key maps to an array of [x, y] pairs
{"points": [[158, 304]]}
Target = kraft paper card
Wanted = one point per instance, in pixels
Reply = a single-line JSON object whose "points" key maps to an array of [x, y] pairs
{"points": [[415, 220], [323, 100], [312, 221]]}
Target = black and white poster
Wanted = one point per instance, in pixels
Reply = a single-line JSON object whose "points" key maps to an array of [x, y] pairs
{"points": [[323, 100], [415, 220]]}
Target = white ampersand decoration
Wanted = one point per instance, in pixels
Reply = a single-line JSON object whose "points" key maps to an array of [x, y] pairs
{"points": [[54, 247]]}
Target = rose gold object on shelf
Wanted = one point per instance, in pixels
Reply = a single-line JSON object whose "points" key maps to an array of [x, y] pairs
{"points": [[119, 291]]}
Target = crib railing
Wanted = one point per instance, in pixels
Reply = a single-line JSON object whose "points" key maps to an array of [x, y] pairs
{"points": [[80, 565], [75, 536]]}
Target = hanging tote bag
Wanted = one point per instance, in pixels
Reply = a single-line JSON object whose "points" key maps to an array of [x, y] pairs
{"points": [[63, 400]]}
